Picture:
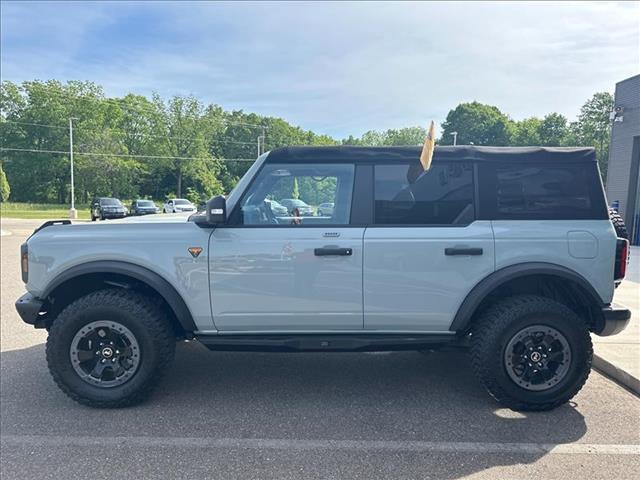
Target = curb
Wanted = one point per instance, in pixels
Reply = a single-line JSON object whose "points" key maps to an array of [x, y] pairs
{"points": [[616, 374]]}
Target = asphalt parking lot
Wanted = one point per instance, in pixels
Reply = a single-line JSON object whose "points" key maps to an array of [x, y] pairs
{"points": [[242, 415]]}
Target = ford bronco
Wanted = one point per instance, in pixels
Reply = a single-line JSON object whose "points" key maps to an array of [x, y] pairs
{"points": [[509, 252]]}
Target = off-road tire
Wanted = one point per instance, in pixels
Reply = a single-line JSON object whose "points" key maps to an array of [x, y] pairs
{"points": [[501, 322], [618, 224], [136, 312]]}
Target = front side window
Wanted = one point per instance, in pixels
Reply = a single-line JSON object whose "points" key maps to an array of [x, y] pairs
{"points": [[542, 191], [407, 195], [289, 194]]}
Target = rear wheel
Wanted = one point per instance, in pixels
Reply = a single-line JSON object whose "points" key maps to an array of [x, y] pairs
{"points": [[110, 348], [531, 353]]}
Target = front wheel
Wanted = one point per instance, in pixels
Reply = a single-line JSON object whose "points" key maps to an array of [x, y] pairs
{"points": [[531, 352], [110, 348]]}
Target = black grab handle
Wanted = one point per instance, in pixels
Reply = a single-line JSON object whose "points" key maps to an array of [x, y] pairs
{"points": [[325, 251], [462, 251]]}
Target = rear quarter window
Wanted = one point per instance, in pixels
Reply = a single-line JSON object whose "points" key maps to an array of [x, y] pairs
{"points": [[544, 191]]}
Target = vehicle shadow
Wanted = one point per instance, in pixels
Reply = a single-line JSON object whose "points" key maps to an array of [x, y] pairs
{"points": [[383, 397]]}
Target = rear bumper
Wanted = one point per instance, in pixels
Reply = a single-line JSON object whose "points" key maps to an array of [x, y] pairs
{"points": [[616, 319], [28, 308]]}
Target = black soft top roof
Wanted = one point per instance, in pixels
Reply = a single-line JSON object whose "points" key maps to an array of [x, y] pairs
{"points": [[410, 154]]}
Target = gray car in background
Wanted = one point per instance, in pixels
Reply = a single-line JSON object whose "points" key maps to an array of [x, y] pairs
{"points": [[143, 207]]}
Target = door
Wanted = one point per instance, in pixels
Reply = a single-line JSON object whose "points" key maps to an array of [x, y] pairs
{"points": [[425, 250], [280, 270]]}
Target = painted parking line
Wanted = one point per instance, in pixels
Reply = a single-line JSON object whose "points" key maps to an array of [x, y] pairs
{"points": [[4, 233], [298, 445]]}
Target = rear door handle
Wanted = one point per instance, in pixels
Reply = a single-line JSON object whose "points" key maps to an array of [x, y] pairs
{"points": [[325, 251], [462, 251]]}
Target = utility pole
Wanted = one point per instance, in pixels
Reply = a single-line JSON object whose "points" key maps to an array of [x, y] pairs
{"points": [[73, 214], [261, 141], [455, 138]]}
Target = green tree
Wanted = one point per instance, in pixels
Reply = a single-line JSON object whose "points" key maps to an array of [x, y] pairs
{"points": [[477, 124], [526, 132], [554, 130], [401, 136], [594, 127]]}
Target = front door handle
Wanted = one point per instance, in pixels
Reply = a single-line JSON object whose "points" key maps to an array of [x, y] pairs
{"points": [[325, 251], [462, 251]]}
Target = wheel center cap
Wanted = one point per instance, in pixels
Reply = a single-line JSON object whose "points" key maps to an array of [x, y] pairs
{"points": [[535, 356], [107, 352]]}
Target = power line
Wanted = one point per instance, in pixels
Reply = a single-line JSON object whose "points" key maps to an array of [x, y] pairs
{"points": [[127, 133], [98, 154], [34, 124]]}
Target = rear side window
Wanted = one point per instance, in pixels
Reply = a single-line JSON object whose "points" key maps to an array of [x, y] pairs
{"points": [[543, 191], [407, 195]]}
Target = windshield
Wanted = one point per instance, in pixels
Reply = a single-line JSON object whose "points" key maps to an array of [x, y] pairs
{"points": [[145, 203], [180, 201], [111, 202]]}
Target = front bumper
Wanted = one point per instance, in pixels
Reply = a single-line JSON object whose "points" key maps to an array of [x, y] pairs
{"points": [[114, 214], [28, 308], [616, 319]]}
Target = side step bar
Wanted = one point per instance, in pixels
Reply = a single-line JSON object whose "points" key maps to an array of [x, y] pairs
{"points": [[324, 343]]}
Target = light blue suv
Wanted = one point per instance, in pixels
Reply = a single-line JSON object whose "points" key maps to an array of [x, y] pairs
{"points": [[507, 251]]}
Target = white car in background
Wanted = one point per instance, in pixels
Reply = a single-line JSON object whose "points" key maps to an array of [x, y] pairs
{"points": [[325, 209], [178, 205]]}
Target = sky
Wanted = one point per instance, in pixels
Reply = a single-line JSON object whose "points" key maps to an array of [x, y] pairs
{"points": [[335, 68]]}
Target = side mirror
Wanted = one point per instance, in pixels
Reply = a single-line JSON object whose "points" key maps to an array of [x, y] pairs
{"points": [[217, 210]]}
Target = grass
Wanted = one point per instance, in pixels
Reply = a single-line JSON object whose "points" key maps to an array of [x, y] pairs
{"points": [[47, 211]]}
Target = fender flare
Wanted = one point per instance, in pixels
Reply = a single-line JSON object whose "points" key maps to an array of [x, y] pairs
{"points": [[499, 277], [142, 274]]}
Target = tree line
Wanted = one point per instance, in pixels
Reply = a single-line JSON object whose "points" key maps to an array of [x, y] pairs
{"points": [[157, 148]]}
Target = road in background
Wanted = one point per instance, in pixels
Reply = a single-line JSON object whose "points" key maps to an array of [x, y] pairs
{"points": [[298, 416]]}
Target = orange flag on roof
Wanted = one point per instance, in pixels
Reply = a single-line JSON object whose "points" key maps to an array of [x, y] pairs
{"points": [[429, 147]]}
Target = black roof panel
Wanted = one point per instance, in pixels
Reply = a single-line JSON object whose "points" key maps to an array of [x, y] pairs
{"points": [[345, 153]]}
